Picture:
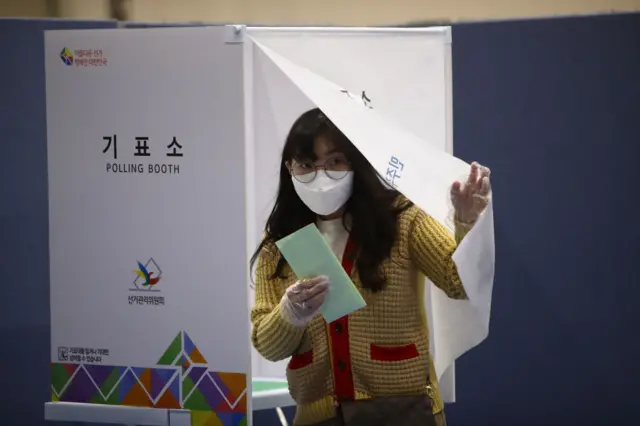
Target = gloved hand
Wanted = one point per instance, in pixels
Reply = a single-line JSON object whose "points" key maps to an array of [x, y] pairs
{"points": [[303, 299], [471, 198]]}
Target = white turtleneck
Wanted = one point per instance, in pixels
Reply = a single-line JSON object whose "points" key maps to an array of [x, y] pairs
{"points": [[335, 235]]}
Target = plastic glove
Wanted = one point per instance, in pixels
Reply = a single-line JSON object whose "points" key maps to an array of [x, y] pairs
{"points": [[303, 299], [471, 198]]}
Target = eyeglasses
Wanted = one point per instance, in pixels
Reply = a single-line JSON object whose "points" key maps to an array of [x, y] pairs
{"points": [[335, 168]]}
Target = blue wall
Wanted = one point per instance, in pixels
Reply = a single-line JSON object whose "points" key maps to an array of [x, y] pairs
{"points": [[552, 106], [24, 232]]}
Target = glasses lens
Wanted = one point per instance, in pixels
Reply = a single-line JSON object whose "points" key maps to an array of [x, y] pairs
{"points": [[337, 168], [336, 174], [304, 174]]}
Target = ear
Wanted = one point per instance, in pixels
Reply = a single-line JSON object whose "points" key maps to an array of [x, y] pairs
{"points": [[287, 164]]}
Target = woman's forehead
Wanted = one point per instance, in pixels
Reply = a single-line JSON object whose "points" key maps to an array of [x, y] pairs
{"points": [[324, 146]]}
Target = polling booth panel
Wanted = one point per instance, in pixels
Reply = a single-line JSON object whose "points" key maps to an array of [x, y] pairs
{"points": [[147, 224]]}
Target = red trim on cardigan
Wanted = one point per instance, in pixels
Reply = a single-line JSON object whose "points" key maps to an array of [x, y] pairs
{"points": [[301, 360], [393, 353], [339, 334]]}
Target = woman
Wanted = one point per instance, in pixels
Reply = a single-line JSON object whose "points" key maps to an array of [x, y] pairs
{"points": [[371, 367]]}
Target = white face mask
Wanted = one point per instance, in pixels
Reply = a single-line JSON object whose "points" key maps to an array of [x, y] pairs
{"points": [[324, 195]]}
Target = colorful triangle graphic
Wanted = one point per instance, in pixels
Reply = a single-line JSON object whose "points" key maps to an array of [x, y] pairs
{"points": [[167, 400], [239, 407], [99, 373], [137, 397], [138, 370], [172, 351], [80, 389], [126, 384], [145, 379], [157, 384], [188, 345], [174, 388], [165, 373], [60, 376], [71, 368], [233, 385], [205, 418], [192, 350], [196, 373], [107, 387], [197, 357], [197, 401], [180, 360], [232, 419]]}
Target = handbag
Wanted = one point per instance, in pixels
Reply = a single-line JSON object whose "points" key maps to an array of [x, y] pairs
{"points": [[389, 411]]}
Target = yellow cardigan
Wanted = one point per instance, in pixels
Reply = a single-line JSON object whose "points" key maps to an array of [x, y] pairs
{"points": [[382, 349]]}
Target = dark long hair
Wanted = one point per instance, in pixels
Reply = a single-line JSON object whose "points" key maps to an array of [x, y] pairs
{"points": [[373, 207]]}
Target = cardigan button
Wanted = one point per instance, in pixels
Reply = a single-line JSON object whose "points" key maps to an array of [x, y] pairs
{"points": [[338, 328], [342, 365]]}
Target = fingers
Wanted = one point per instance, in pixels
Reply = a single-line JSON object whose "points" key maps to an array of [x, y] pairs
{"points": [[320, 288], [473, 174], [307, 283], [456, 188], [479, 176], [484, 181], [485, 186], [305, 298], [308, 288], [481, 171], [302, 300], [315, 302]]}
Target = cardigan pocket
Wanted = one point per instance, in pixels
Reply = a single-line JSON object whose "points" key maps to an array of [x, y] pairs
{"points": [[301, 360], [393, 353]]}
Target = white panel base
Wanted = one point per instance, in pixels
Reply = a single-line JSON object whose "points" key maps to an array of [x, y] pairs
{"points": [[96, 413], [179, 418]]}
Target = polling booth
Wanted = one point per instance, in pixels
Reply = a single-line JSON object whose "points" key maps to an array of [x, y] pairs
{"points": [[162, 173], [164, 328]]}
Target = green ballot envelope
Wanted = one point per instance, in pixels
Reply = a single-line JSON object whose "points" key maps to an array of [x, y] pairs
{"points": [[309, 255]]}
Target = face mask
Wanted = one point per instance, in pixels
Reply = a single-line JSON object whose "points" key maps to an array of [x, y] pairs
{"points": [[324, 195]]}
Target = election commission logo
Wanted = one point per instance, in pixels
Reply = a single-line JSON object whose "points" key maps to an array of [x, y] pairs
{"points": [[83, 58], [148, 276], [66, 56]]}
